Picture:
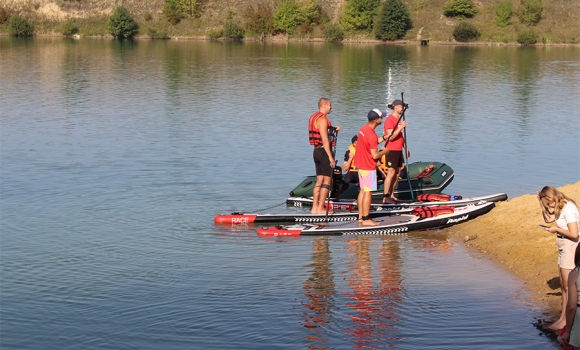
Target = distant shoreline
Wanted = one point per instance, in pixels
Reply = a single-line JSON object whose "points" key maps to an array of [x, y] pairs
{"points": [[319, 40]]}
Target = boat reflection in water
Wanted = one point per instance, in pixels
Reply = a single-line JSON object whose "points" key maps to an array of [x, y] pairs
{"points": [[363, 306]]}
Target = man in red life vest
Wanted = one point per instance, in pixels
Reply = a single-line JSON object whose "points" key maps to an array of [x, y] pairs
{"points": [[365, 158], [393, 132], [324, 161]]}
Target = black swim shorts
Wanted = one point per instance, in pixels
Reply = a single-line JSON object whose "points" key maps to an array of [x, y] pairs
{"points": [[322, 162]]}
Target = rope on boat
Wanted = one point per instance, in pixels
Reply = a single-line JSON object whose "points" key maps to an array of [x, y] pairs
{"points": [[268, 208]]}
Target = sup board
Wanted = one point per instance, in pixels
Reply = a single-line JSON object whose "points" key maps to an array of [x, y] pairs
{"points": [[388, 225], [350, 204]]}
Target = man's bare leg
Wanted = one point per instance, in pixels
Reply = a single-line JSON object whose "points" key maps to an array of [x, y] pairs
{"points": [[365, 209]]}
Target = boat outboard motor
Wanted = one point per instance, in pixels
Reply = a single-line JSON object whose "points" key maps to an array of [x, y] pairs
{"points": [[337, 182]]}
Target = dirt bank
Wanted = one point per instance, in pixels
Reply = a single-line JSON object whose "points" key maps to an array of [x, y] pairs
{"points": [[510, 236]]}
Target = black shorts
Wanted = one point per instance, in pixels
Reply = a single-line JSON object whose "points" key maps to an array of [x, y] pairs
{"points": [[395, 159], [322, 162], [351, 177]]}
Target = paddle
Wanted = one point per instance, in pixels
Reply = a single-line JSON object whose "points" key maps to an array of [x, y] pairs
{"points": [[402, 116], [333, 150], [406, 150]]}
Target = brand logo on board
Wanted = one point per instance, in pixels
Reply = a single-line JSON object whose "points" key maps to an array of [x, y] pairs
{"points": [[463, 218]]}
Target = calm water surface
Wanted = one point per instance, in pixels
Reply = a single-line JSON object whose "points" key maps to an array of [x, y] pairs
{"points": [[116, 156]]}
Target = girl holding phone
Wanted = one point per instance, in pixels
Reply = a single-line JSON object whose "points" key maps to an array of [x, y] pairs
{"points": [[558, 208]]}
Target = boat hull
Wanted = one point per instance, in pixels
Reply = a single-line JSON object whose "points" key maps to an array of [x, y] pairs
{"points": [[435, 182]]}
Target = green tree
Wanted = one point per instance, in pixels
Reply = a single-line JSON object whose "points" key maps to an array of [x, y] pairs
{"points": [[358, 14], [527, 37], [530, 11], [69, 28], [459, 8], [121, 23], [173, 11], [233, 31], [394, 22], [190, 7], [287, 16], [503, 13], [19, 26], [465, 32], [333, 32]]}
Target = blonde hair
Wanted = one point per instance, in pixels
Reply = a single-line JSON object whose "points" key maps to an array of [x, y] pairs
{"points": [[553, 195]]}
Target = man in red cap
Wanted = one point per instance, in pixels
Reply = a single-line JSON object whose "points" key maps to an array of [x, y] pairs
{"points": [[365, 158], [393, 131]]}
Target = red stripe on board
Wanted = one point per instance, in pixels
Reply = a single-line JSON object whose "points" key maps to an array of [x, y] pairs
{"points": [[278, 232]]}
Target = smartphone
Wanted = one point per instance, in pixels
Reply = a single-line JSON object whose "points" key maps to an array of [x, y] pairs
{"points": [[544, 226]]}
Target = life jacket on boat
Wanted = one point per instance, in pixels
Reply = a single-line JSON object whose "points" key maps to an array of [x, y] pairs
{"points": [[438, 197], [433, 197], [425, 173], [314, 133], [352, 151], [432, 211]]}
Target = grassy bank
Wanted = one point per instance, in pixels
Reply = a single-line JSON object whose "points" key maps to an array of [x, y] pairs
{"points": [[560, 22]]}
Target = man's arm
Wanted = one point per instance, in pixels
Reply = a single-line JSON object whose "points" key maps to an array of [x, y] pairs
{"points": [[323, 127], [378, 154]]}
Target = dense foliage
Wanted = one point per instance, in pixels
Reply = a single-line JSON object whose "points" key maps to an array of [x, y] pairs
{"points": [[359, 14], [172, 11], [290, 14], [333, 32], [259, 19], [215, 33], [232, 30], [121, 24], [503, 13], [459, 8], [287, 16], [190, 7], [465, 32], [19, 26], [394, 22], [530, 11], [527, 37], [154, 34], [69, 27]]}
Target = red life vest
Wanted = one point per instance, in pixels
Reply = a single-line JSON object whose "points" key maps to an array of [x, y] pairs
{"points": [[438, 197], [425, 173], [314, 132], [432, 211]]}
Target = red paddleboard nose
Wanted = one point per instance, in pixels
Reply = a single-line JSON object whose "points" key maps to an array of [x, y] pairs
{"points": [[234, 218], [276, 231]]}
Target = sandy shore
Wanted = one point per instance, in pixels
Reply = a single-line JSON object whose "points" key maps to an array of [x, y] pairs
{"points": [[509, 235]]}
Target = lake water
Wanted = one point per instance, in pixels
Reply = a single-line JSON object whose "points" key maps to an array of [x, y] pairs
{"points": [[116, 156]]}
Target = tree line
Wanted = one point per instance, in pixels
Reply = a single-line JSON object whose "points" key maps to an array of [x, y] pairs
{"points": [[387, 21]]}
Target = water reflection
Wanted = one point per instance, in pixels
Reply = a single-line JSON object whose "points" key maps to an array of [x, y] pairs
{"points": [[374, 320], [320, 292], [363, 307]]}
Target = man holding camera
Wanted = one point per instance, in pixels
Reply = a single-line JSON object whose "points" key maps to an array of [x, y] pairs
{"points": [[393, 132]]}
